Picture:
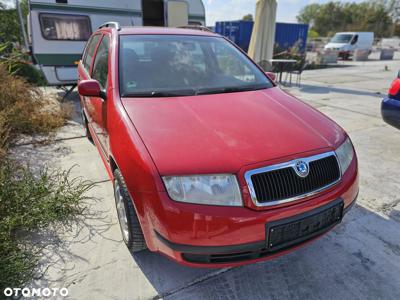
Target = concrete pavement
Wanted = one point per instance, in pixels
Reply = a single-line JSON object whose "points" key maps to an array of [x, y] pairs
{"points": [[359, 259]]}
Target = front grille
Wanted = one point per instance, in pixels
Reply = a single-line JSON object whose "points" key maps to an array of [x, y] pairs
{"points": [[283, 183]]}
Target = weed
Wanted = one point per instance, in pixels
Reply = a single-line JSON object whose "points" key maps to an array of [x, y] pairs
{"points": [[29, 203]]}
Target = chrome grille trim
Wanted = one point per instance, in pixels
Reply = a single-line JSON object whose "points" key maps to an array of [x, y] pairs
{"points": [[289, 164]]}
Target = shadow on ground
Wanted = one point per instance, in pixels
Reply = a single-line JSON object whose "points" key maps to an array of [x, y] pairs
{"points": [[354, 261], [315, 89], [73, 99]]}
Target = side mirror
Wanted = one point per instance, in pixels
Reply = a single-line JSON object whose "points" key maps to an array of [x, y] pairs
{"points": [[271, 76], [90, 88], [398, 75]]}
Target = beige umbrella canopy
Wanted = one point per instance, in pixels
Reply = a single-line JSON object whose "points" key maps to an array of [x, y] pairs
{"points": [[263, 37]]}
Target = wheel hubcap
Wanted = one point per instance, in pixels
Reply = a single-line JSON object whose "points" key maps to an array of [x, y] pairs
{"points": [[123, 220]]}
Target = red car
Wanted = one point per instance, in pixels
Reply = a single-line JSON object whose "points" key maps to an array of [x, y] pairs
{"points": [[213, 165]]}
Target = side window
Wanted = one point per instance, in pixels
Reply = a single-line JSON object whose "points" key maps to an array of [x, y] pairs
{"points": [[100, 67], [355, 39], [87, 62], [65, 27]]}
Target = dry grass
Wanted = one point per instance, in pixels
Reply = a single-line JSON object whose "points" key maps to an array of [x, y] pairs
{"points": [[4, 136], [25, 110]]}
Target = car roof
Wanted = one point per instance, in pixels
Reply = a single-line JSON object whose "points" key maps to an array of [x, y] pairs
{"points": [[164, 30]]}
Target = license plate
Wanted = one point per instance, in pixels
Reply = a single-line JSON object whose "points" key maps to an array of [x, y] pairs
{"points": [[289, 232]]}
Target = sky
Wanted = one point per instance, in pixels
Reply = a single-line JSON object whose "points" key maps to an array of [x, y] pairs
{"points": [[228, 10]]}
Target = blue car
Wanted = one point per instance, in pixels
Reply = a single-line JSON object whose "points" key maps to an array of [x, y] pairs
{"points": [[391, 104]]}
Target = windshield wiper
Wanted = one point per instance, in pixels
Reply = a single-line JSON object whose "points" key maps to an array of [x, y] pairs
{"points": [[192, 92], [231, 89], [155, 94]]}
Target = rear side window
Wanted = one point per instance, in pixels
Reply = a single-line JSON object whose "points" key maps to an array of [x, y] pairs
{"points": [[100, 67], [91, 47], [65, 27]]}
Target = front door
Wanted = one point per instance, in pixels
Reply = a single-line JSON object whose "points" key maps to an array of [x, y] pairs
{"points": [[98, 106]]}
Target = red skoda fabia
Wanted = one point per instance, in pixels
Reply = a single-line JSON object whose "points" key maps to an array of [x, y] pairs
{"points": [[212, 163]]}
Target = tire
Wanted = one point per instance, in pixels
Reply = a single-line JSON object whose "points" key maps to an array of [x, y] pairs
{"points": [[129, 223], [85, 125]]}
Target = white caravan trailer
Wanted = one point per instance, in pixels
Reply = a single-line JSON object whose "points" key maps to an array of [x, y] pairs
{"points": [[58, 29]]}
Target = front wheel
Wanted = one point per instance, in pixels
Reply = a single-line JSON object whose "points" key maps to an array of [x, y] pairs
{"points": [[128, 220]]}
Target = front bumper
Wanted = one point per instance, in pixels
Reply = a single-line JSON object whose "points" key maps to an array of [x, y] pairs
{"points": [[213, 236], [344, 54], [391, 111], [212, 255]]}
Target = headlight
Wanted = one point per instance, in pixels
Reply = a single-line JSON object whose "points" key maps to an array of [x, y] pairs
{"points": [[204, 189], [345, 154]]}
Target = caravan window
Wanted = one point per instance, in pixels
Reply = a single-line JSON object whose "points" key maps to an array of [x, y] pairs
{"points": [[65, 27]]}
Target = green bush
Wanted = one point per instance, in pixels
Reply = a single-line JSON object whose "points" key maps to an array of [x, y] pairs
{"points": [[30, 74], [18, 63], [291, 53], [29, 203], [312, 34]]}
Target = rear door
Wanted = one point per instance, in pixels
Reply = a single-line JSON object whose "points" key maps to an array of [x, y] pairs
{"points": [[85, 67], [97, 106]]}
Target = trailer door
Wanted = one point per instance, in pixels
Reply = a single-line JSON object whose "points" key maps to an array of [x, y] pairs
{"points": [[177, 13]]}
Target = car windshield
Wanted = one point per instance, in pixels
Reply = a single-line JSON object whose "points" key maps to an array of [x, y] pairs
{"points": [[342, 38], [182, 65]]}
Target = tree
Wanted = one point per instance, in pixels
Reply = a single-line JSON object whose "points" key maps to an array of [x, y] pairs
{"points": [[397, 30], [248, 17], [326, 19], [9, 25], [391, 6], [393, 9], [308, 13]]}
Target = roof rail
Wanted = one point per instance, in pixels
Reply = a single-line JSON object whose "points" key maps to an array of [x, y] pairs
{"points": [[196, 27], [111, 24]]}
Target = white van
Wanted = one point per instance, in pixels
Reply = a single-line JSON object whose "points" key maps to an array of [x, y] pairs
{"points": [[58, 29], [347, 42]]}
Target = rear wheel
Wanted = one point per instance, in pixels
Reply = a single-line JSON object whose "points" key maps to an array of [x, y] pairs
{"points": [[128, 220]]}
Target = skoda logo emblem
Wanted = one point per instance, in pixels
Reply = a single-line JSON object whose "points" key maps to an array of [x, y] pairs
{"points": [[302, 169]]}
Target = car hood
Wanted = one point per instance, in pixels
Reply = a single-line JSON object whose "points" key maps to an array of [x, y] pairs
{"points": [[221, 133]]}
